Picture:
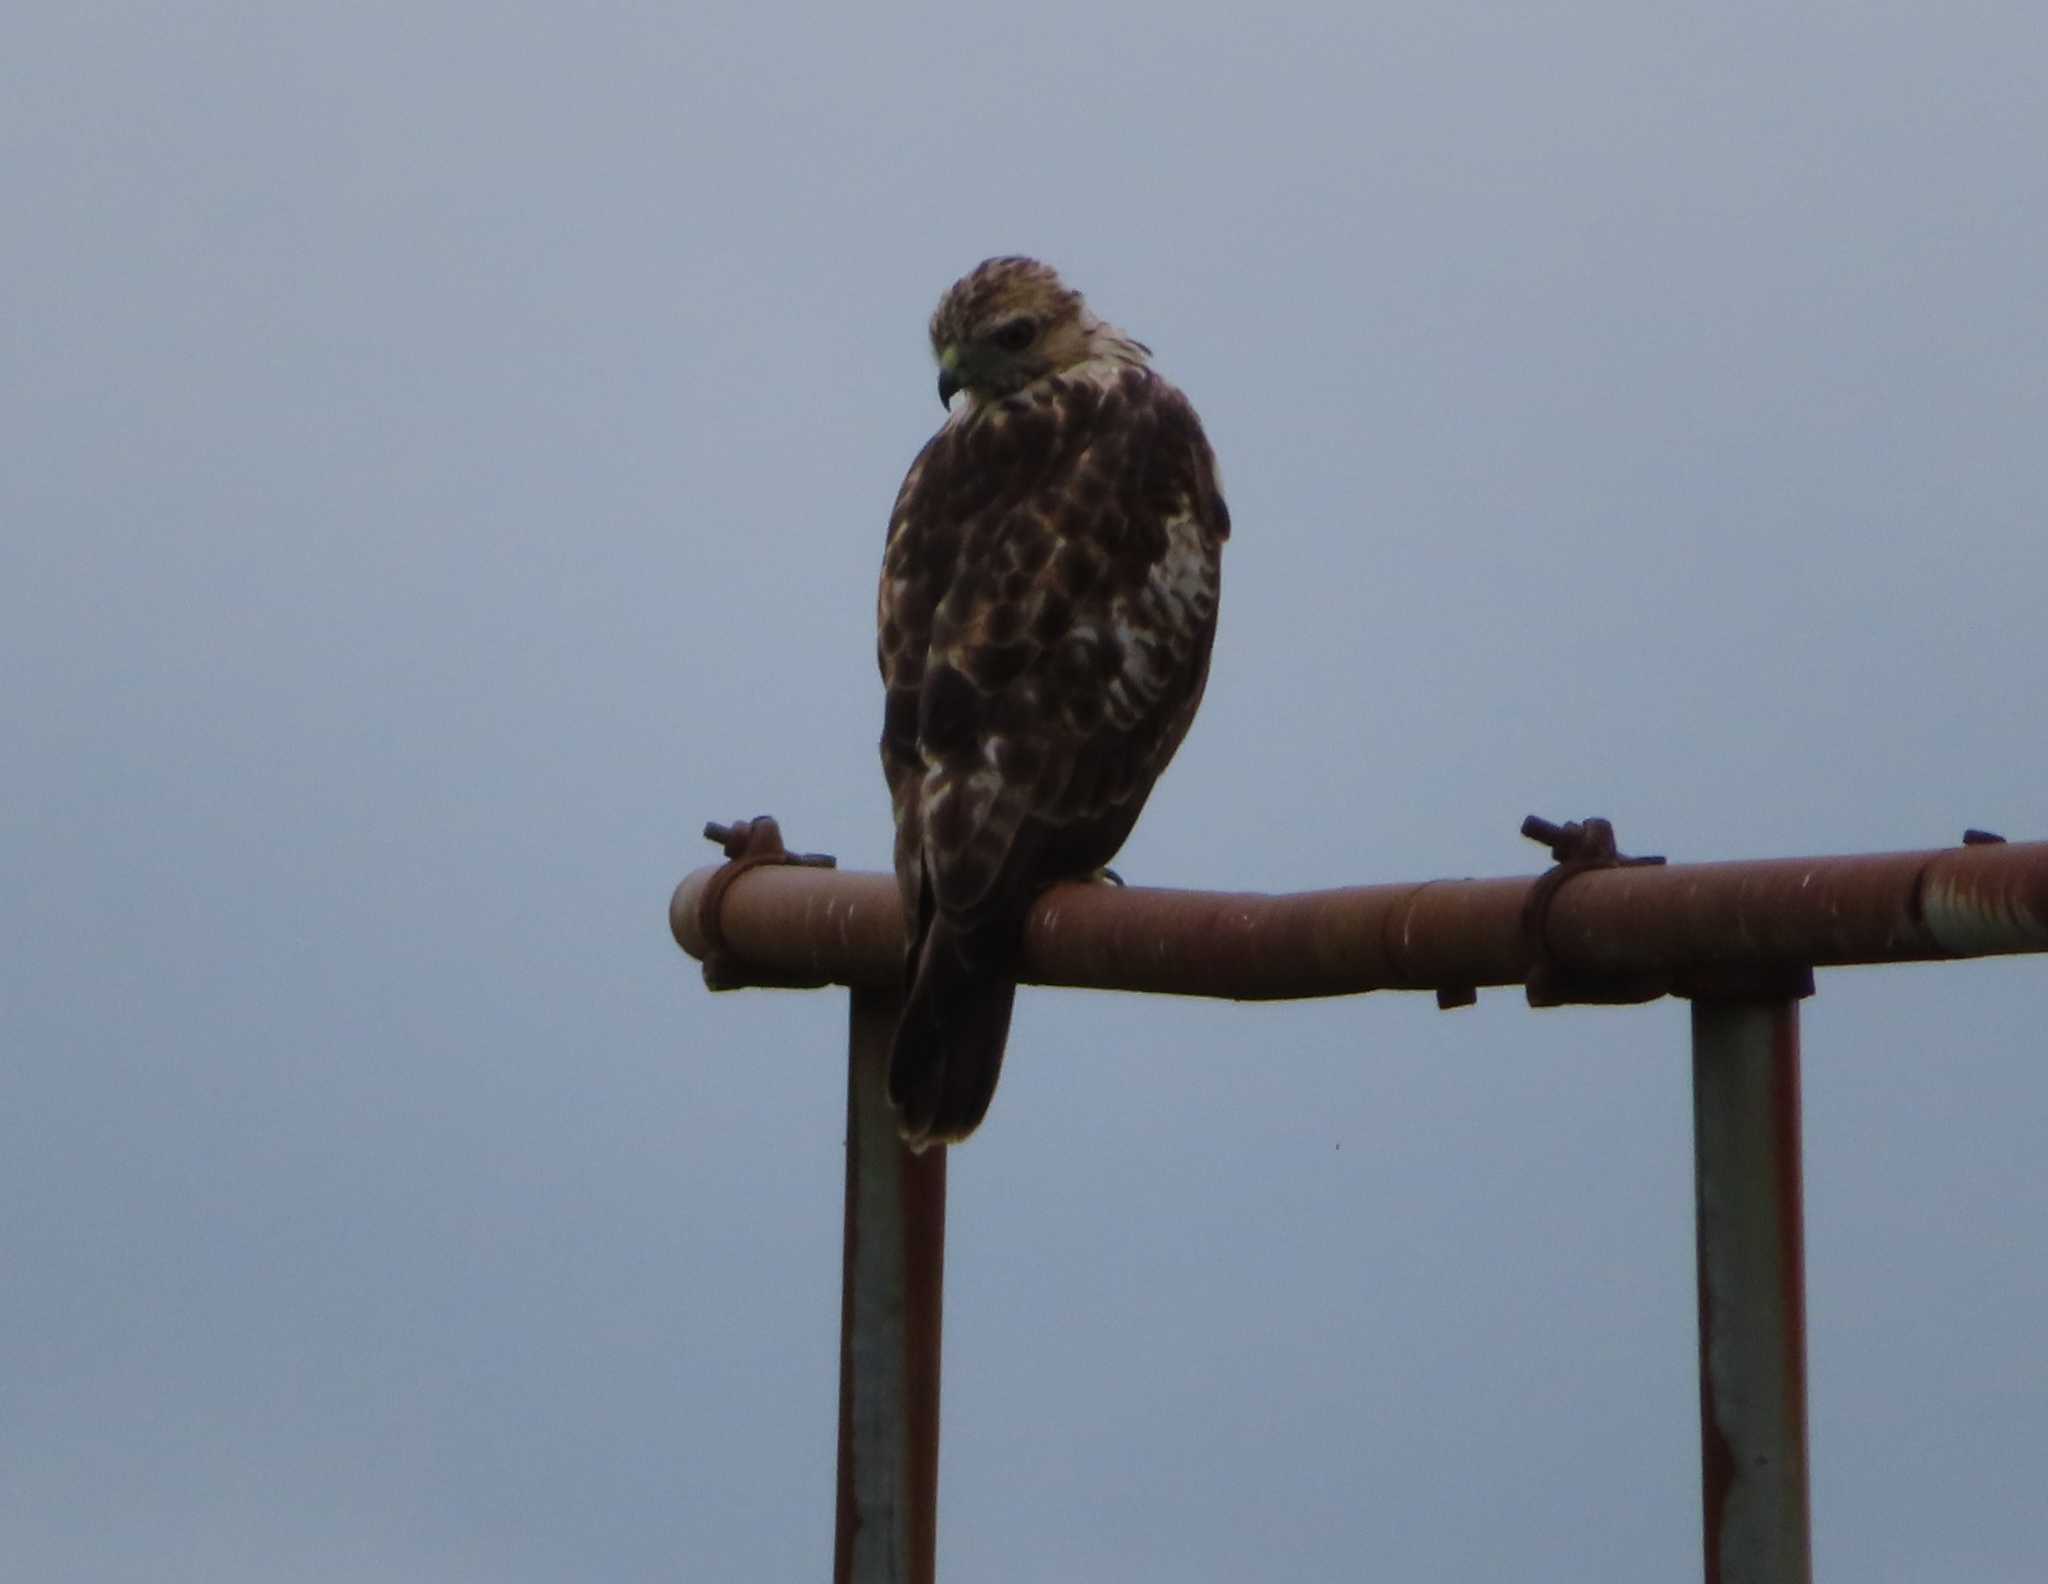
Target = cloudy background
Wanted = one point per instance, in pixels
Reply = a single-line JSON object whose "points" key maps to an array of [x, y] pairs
{"points": [[446, 456]]}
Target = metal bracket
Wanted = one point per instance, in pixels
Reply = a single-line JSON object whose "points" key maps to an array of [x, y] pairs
{"points": [[1577, 846], [749, 844], [1745, 982]]}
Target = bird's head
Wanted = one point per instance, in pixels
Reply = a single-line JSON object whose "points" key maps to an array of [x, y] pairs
{"points": [[1012, 321]]}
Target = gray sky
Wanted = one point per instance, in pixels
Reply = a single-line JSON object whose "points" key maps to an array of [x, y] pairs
{"points": [[448, 455]]}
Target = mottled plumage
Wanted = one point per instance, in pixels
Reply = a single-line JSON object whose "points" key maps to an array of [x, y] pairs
{"points": [[1047, 604]]}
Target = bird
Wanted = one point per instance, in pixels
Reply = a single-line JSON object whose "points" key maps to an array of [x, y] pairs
{"points": [[1047, 608]]}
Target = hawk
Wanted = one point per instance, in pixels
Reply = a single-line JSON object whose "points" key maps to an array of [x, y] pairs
{"points": [[1047, 605]]}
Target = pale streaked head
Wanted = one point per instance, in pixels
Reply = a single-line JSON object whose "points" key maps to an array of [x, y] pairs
{"points": [[1011, 321]]}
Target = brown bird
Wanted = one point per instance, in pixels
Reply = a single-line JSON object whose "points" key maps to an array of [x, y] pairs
{"points": [[1047, 605]]}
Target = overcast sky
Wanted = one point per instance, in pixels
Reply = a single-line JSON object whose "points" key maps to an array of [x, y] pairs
{"points": [[448, 450]]}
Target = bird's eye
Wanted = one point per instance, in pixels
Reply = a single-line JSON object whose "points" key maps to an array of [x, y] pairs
{"points": [[1016, 335]]}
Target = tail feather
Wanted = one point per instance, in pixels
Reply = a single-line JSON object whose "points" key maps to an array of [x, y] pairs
{"points": [[948, 1051]]}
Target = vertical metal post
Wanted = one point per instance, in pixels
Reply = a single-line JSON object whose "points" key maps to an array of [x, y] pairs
{"points": [[888, 1325], [1752, 1289]]}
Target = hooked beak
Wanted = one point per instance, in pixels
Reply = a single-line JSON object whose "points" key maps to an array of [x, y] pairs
{"points": [[949, 374]]}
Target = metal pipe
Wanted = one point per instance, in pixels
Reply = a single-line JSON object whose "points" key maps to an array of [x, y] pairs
{"points": [[888, 1324], [1752, 1291], [799, 925]]}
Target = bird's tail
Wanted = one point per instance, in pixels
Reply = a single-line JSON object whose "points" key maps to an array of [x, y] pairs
{"points": [[949, 1042]]}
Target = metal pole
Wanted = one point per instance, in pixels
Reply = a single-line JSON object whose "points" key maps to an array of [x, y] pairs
{"points": [[888, 1325], [790, 925], [1752, 1289]]}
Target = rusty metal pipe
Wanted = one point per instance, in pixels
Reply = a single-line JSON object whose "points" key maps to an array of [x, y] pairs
{"points": [[820, 926], [1752, 1291], [887, 1528]]}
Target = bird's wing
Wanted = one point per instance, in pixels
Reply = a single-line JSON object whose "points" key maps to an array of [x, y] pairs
{"points": [[1069, 646]]}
